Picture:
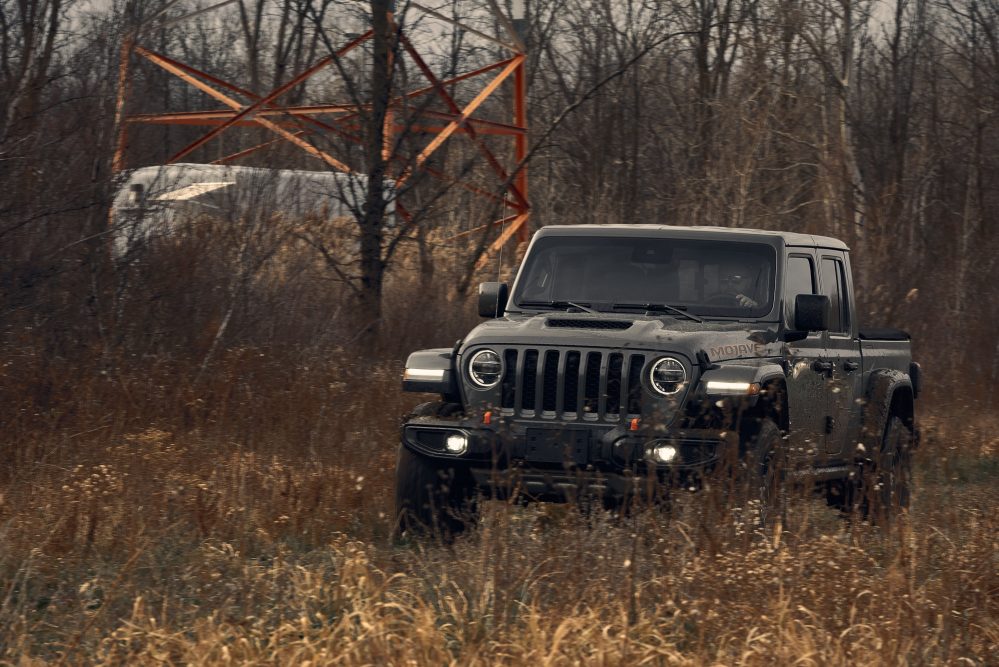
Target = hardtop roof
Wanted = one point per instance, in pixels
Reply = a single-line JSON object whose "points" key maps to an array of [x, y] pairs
{"points": [[705, 232]]}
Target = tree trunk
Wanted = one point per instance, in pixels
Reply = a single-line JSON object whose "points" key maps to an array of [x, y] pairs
{"points": [[373, 218]]}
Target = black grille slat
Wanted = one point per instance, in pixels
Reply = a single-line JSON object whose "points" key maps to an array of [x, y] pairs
{"points": [[560, 391], [591, 388], [528, 384], [602, 392], [509, 387], [539, 383], [610, 325], [634, 384], [551, 381], [581, 379], [572, 384], [613, 393], [518, 396]]}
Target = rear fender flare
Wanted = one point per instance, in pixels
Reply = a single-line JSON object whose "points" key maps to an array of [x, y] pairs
{"points": [[889, 393]]}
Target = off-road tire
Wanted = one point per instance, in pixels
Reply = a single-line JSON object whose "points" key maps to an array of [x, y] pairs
{"points": [[750, 481], [885, 482], [841, 494], [432, 498], [765, 472]]}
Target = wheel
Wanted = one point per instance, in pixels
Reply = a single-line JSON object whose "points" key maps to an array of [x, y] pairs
{"points": [[765, 471], [431, 497], [886, 482], [751, 480], [842, 494]]}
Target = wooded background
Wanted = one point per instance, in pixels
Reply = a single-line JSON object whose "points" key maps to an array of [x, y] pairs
{"points": [[871, 121], [198, 436]]}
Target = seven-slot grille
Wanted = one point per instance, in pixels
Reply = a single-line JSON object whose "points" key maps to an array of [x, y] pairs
{"points": [[572, 384]]}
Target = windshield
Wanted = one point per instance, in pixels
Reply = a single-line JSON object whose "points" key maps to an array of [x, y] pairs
{"points": [[711, 278]]}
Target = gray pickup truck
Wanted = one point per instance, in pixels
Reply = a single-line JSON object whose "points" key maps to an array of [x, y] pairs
{"points": [[629, 359]]}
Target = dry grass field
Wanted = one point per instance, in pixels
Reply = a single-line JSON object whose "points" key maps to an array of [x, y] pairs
{"points": [[198, 436], [143, 521]]}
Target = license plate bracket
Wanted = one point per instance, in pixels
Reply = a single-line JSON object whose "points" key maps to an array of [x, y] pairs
{"points": [[564, 445]]}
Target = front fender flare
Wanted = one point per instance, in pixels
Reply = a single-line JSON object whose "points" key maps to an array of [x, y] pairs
{"points": [[750, 373], [432, 371]]}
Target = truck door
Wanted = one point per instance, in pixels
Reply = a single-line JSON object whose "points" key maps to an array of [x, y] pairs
{"points": [[805, 382], [843, 350]]}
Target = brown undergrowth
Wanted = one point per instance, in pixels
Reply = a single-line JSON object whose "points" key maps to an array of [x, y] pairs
{"points": [[245, 519]]}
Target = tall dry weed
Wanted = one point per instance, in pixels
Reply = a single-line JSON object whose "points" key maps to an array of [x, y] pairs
{"points": [[150, 513], [153, 546]]}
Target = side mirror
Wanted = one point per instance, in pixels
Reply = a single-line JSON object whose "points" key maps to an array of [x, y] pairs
{"points": [[811, 312], [492, 299]]}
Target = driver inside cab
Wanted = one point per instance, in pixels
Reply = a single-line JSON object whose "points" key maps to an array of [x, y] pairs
{"points": [[737, 280]]}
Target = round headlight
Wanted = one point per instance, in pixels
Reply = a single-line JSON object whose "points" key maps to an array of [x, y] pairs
{"points": [[456, 443], [660, 452], [667, 376], [485, 368]]}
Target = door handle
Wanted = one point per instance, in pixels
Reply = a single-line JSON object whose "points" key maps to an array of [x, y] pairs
{"points": [[820, 366], [850, 366]]}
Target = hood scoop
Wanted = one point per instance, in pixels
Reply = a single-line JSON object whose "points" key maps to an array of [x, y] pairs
{"points": [[581, 323]]}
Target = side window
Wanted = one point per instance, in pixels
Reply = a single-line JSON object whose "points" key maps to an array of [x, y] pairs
{"points": [[834, 286], [799, 279], [844, 294]]}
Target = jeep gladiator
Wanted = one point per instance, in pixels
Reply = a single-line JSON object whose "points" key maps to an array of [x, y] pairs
{"points": [[628, 359]]}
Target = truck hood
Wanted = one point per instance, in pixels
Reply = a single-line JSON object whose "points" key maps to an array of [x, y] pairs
{"points": [[721, 340]]}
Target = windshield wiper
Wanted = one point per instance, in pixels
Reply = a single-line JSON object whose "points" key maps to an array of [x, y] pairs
{"points": [[559, 304], [657, 307]]}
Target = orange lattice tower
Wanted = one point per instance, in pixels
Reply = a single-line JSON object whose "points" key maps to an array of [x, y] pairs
{"points": [[302, 126]]}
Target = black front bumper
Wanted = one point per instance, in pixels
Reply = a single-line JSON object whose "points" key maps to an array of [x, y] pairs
{"points": [[555, 460]]}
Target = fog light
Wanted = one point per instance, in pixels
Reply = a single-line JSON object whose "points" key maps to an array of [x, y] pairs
{"points": [[456, 443], [662, 453]]}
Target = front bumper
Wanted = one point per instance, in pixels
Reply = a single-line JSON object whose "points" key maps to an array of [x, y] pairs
{"points": [[548, 459]]}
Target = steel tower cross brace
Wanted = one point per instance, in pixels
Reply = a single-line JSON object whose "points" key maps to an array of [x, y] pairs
{"points": [[301, 125]]}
